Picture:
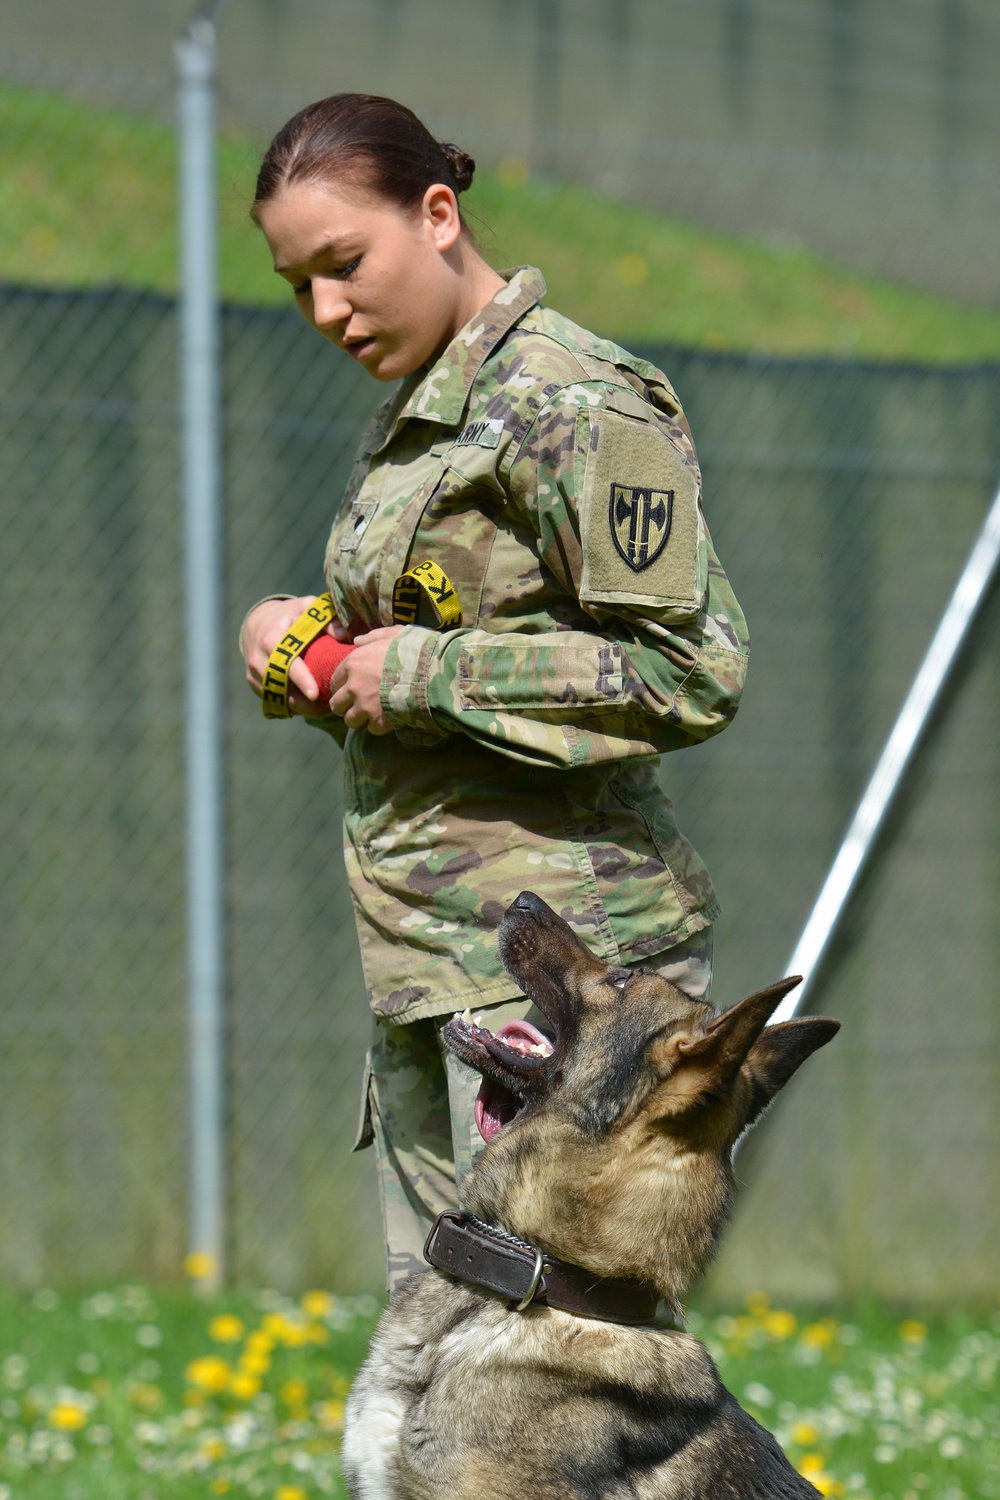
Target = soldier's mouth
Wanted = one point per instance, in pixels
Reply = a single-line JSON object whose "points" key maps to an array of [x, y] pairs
{"points": [[514, 1062]]}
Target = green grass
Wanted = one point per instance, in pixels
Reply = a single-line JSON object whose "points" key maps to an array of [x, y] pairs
{"points": [[88, 194], [131, 1394]]}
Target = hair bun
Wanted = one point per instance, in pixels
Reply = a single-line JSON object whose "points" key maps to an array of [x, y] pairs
{"points": [[461, 163]]}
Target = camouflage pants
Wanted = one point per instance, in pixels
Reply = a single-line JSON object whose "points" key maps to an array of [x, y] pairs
{"points": [[418, 1109]]}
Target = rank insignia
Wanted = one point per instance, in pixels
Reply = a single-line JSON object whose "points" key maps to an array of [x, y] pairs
{"points": [[640, 523]]}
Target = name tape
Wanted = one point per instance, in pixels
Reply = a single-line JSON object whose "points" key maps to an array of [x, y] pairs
{"points": [[274, 689]]}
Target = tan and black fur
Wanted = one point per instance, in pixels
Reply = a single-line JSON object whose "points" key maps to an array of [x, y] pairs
{"points": [[619, 1161]]}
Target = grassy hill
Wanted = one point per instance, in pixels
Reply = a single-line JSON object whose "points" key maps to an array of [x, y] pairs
{"points": [[88, 196]]}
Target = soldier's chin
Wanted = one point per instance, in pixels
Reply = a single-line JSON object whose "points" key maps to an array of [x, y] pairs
{"points": [[495, 1108]]}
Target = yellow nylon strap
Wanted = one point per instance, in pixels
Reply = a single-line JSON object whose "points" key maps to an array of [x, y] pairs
{"points": [[274, 695], [433, 582]]}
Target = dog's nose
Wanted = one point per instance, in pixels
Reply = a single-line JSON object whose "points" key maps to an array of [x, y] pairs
{"points": [[528, 901]]}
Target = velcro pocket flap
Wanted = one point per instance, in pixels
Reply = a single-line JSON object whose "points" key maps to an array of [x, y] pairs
{"points": [[643, 539]]}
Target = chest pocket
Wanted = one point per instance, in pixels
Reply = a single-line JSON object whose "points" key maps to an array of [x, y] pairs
{"points": [[455, 531]]}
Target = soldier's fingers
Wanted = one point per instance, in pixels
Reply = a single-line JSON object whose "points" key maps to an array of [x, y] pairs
{"points": [[301, 678], [380, 633], [379, 726]]}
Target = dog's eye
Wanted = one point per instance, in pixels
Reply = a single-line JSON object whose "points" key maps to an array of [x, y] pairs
{"points": [[618, 981]]}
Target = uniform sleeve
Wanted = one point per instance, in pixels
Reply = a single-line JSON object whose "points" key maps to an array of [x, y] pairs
{"points": [[614, 500]]}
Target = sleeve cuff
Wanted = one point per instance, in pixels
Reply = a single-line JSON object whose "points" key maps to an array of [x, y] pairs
{"points": [[406, 673]]}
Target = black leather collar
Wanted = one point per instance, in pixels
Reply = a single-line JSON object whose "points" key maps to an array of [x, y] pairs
{"points": [[471, 1250]]}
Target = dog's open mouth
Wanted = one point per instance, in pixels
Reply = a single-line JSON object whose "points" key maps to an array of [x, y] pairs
{"points": [[514, 1064]]}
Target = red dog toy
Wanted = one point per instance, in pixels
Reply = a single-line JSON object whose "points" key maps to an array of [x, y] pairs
{"points": [[323, 656]]}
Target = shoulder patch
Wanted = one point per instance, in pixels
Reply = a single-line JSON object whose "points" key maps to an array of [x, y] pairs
{"points": [[642, 535], [485, 434]]}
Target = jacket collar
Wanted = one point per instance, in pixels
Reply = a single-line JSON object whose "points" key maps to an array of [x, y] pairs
{"points": [[440, 393]]}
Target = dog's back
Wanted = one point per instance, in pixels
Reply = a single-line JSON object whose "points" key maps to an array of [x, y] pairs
{"points": [[465, 1398]]}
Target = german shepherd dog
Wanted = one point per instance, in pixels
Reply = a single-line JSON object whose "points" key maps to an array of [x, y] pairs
{"points": [[608, 1164]]}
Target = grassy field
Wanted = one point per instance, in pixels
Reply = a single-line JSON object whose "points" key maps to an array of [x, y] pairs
{"points": [[131, 1394], [88, 193]]}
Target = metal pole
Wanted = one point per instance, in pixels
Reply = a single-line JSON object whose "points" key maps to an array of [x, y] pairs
{"points": [[201, 478], [894, 761]]}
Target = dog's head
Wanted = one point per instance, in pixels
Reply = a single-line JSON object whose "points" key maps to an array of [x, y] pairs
{"points": [[610, 1140]]}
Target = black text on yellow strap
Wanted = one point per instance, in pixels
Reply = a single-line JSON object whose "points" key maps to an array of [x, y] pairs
{"points": [[433, 583], [274, 688]]}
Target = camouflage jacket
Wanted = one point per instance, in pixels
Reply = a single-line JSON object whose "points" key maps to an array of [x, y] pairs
{"points": [[552, 476]]}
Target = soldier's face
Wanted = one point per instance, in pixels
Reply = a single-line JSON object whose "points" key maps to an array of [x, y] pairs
{"points": [[382, 284]]}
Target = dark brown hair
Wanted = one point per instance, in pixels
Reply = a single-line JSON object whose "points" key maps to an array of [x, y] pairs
{"points": [[372, 142]]}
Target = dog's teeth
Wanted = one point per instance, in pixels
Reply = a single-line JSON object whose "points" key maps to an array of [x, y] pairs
{"points": [[466, 1016]]}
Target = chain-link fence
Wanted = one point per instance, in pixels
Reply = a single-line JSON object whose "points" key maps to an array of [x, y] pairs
{"points": [[843, 497]]}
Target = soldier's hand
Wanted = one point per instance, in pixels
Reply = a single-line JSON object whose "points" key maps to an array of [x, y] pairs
{"points": [[356, 685], [264, 628]]}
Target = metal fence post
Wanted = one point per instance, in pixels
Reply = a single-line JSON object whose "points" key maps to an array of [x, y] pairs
{"points": [[203, 706], [894, 762]]}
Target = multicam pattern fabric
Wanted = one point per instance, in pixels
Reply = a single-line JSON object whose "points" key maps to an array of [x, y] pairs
{"points": [[553, 478]]}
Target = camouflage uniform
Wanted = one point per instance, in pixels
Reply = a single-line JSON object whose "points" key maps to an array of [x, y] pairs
{"points": [[553, 478]]}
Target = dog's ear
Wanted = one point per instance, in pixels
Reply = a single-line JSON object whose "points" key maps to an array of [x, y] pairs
{"points": [[779, 1050], [723, 1044], [706, 1060]]}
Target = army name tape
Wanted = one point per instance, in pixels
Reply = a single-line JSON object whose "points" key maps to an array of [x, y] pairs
{"points": [[433, 582], [426, 578], [274, 688]]}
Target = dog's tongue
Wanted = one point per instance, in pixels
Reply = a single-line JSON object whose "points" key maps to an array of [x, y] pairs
{"points": [[495, 1105]]}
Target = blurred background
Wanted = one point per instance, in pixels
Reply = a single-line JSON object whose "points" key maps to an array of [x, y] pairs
{"points": [[793, 206]]}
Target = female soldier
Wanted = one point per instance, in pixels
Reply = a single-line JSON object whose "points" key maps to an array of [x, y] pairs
{"points": [[504, 709]]}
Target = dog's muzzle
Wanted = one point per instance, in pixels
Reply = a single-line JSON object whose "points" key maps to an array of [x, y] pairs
{"points": [[480, 1253]]}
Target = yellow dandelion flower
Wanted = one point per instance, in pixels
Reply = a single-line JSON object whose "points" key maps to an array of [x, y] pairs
{"points": [[292, 1331], [198, 1265], [757, 1303], [317, 1304], [144, 1396], [208, 1373], [290, 1492], [259, 1342], [805, 1434], [912, 1331], [820, 1335], [780, 1324], [632, 269], [67, 1417], [227, 1328], [213, 1449], [219, 1486], [826, 1484], [330, 1415], [294, 1392], [244, 1385], [254, 1363], [317, 1334]]}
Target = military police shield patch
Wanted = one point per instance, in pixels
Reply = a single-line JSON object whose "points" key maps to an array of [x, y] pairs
{"points": [[640, 523]]}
